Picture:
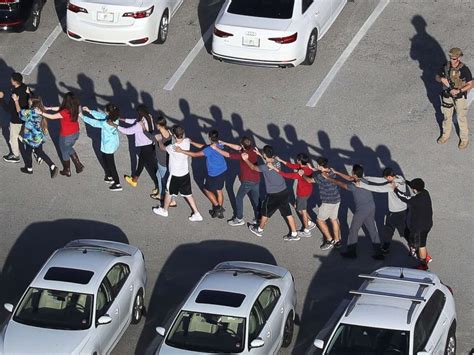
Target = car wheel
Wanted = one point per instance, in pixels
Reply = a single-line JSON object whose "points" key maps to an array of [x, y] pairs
{"points": [[138, 307], [288, 331], [451, 342], [35, 17], [311, 48], [163, 29]]}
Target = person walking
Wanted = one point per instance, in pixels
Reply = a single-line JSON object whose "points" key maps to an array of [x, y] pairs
{"points": [[34, 133], [68, 114], [420, 217], [457, 81], [277, 197], [20, 90], [179, 180], [109, 139]]}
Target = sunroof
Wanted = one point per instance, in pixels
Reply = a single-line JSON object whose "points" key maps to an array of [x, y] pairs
{"points": [[220, 298], [64, 274]]}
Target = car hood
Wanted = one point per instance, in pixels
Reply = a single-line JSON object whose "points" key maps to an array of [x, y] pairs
{"points": [[253, 22], [24, 339]]}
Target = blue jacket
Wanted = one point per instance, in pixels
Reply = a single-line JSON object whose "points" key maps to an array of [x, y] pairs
{"points": [[109, 141]]}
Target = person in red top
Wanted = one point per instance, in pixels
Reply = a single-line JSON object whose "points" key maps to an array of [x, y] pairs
{"points": [[304, 189], [68, 114], [250, 179]]}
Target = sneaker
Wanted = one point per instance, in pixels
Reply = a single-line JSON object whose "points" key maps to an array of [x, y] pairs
{"points": [[291, 238], [161, 211], [412, 252], [26, 170], [234, 222], [220, 212], [327, 244], [213, 212], [130, 181], [254, 221], [443, 139], [157, 196], [428, 259], [195, 217], [115, 187], [337, 244], [304, 234], [10, 158], [463, 144], [54, 171], [109, 179], [422, 266], [311, 225], [38, 159], [254, 229]]}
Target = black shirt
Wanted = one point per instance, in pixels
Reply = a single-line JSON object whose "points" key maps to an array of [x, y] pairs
{"points": [[464, 73], [23, 96], [420, 211]]}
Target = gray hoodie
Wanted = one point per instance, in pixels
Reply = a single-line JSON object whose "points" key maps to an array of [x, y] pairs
{"points": [[383, 186]]}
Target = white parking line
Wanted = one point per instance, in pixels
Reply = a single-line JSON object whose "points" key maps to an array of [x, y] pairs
{"points": [[42, 51], [470, 98], [187, 62], [347, 52]]}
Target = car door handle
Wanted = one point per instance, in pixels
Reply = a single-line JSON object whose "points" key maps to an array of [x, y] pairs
{"points": [[116, 311], [316, 13], [131, 288], [269, 334], [282, 310]]}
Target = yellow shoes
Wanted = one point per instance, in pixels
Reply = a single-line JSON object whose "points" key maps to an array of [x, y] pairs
{"points": [[130, 181]]}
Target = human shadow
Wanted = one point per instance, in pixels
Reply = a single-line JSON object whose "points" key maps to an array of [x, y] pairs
{"points": [[207, 13], [331, 283], [181, 271], [430, 56], [5, 73], [37, 242]]}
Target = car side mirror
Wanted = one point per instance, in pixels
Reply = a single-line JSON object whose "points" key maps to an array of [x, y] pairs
{"points": [[8, 307], [104, 320], [161, 331], [319, 343], [257, 343]]}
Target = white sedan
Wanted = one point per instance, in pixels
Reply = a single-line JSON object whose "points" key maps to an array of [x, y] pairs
{"points": [[80, 302], [120, 22], [272, 33]]}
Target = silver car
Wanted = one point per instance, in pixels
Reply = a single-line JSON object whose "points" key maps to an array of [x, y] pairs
{"points": [[237, 308], [80, 302]]}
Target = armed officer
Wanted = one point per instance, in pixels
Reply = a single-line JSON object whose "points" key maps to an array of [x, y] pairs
{"points": [[457, 81]]}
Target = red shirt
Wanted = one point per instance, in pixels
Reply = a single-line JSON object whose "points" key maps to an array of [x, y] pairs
{"points": [[245, 173], [303, 188], [68, 126]]}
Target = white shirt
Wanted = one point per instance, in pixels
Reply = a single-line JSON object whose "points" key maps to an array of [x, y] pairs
{"points": [[178, 162]]}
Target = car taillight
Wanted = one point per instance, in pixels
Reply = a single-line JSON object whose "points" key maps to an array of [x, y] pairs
{"points": [[222, 34], [75, 8], [284, 40], [9, 1], [139, 14]]}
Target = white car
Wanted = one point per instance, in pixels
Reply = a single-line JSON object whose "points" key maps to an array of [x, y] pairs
{"points": [[272, 33], [396, 311], [239, 307], [80, 302], [120, 22]]}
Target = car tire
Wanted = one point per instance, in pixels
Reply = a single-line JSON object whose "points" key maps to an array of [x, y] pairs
{"points": [[34, 20], [138, 307], [451, 342], [163, 28], [288, 330], [311, 48]]}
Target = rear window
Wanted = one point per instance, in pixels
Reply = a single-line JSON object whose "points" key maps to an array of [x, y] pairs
{"points": [[220, 298], [69, 275], [278, 9]]}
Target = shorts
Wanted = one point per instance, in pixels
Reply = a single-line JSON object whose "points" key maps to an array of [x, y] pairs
{"points": [[215, 183], [301, 203], [277, 201], [328, 211], [179, 185], [418, 239]]}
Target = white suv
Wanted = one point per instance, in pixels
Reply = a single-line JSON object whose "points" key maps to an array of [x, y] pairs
{"points": [[395, 311]]}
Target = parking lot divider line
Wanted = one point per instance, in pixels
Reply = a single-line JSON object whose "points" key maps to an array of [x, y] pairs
{"points": [[42, 51], [346, 54], [188, 60], [470, 97]]}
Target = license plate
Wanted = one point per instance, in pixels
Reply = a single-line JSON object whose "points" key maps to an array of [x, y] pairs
{"points": [[105, 16], [251, 41]]}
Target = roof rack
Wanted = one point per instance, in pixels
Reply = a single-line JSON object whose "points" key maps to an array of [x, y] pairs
{"points": [[388, 294], [425, 281]]}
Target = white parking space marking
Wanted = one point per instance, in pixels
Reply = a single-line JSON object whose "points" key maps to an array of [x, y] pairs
{"points": [[470, 98], [347, 52], [42, 51], [189, 59]]}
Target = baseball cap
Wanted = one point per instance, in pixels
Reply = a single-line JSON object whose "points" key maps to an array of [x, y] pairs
{"points": [[455, 52]]}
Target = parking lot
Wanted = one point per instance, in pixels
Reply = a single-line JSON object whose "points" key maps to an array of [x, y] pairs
{"points": [[375, 110]]}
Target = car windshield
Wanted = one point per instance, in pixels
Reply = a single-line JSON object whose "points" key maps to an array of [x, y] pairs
{"points": [[55, 309], [203, 332], [278, 9], [358, 340]]}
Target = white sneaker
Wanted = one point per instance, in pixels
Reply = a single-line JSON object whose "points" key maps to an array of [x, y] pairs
{"points": [[195, 217], [311, 225], [160, 211], [304, 234]]}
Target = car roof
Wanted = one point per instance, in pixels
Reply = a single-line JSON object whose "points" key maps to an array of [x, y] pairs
{"points": [[385, 301]]}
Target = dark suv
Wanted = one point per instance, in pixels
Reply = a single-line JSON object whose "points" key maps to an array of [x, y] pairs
{"points": [[18, 15]]}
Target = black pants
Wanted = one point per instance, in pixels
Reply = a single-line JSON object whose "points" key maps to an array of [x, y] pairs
{"points": [[110, 169], [395, 221], [147, 159], [39, 152]]}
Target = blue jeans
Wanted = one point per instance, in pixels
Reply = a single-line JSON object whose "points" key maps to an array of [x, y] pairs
{"points": [[253, 190], [161, 175], [66, 144]]}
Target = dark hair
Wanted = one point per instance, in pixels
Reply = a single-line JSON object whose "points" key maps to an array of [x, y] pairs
{"points": [[268, 151], [161, 120], [178, 131], [17, 77], [322, 162], [213, 136], [417, 184], [358, 170], [143, 113], [246, 142], [303, 158], [388, 172], [113, 112], [36, 102], [71, 104]]}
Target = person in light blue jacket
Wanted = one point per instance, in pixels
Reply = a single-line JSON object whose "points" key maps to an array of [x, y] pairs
{"points": [[109, 143]]}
